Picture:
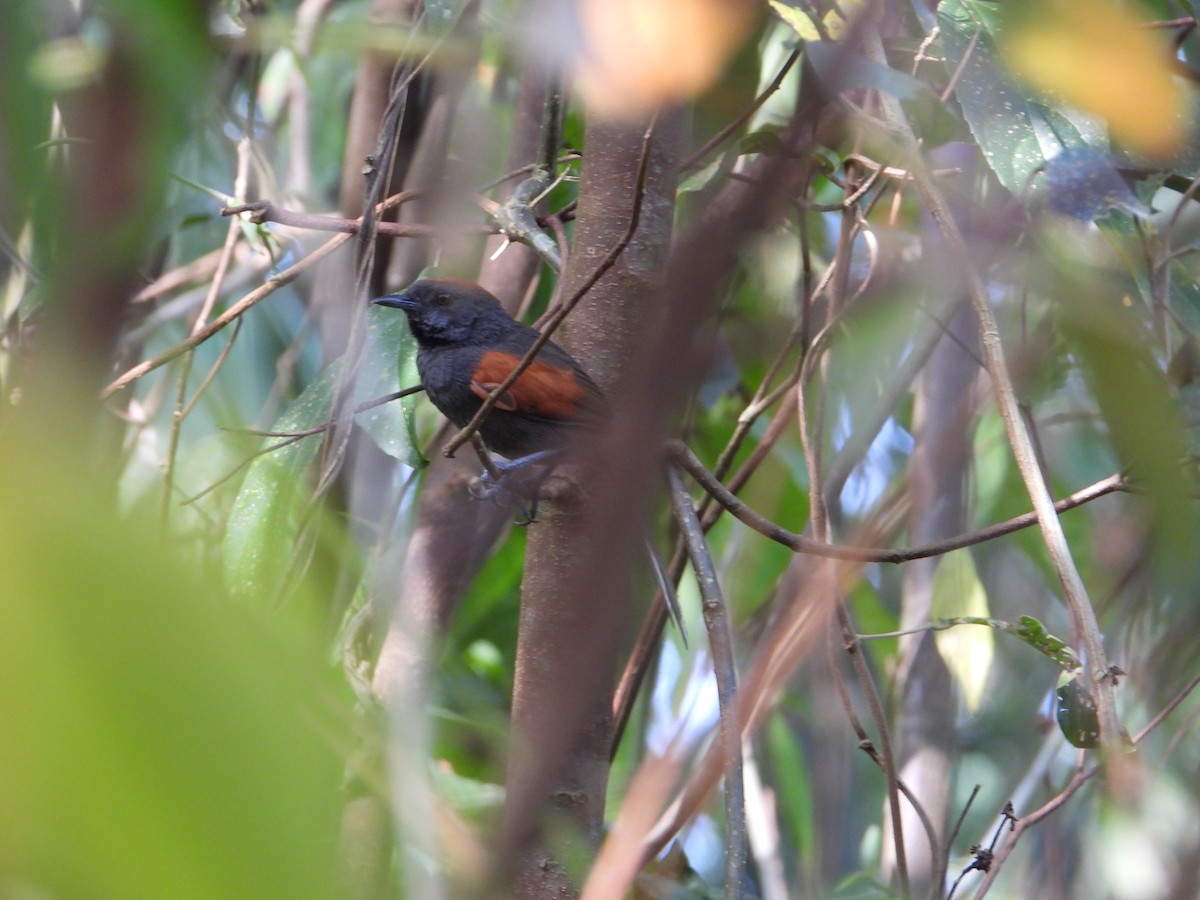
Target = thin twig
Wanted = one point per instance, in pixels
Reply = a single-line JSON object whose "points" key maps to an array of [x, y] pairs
{"points": [[801, 544], [260, 293], [811, 445], [268, 287], [962, 816], [286, 442], [1078, 780], [232, 235], [719, 138], [266, 211], [294, 436], [720, 640], [1074, 592], [214, 369]]}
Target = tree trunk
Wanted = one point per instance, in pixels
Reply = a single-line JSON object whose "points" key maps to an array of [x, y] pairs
{"points": [[571, 625]]}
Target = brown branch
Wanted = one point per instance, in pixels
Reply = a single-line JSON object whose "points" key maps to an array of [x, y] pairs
{"points": [[1074, 591], [867, 746], [266, 211], [232, 236], [801, 544], [272, 284], [292, 437]]}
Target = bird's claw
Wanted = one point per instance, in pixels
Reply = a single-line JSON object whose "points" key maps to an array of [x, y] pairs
{"points": [[485, 486]]}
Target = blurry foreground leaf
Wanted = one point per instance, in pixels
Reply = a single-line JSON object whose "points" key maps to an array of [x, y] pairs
{"points": [[1131, 390], [638, 56], [1066, 47], [1082, 183], [159, 741], [840, 69]]}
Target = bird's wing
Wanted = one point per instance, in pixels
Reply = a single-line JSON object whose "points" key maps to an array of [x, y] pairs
{"points": [[545, 390]]}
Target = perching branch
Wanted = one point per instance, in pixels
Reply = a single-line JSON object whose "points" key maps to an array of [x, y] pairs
{"points": [[1078, 780]]}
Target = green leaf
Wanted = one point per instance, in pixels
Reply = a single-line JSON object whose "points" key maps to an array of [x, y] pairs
{"points": [[1029, 630], [260, 537], [798, 19], [789, 772], [1016, 130], [1076, 713], [967, 652], [1145, 426], [389, 365], [264, 525], [1034, 633], [159, 741]]}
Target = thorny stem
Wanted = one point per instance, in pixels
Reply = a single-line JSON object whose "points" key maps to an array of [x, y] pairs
{"points": [[260, 293]]}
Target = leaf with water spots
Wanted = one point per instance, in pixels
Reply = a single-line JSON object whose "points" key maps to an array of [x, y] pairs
{"points": [[1016, 130]]}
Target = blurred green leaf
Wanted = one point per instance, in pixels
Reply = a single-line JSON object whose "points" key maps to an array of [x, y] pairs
{"points": [[798, 19], [389, 365], [260, 536], [1131, 390], [789, 772], [1017, 131], [159, 741]]}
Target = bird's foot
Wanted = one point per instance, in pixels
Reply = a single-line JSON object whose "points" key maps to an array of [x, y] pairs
{"points": [[495, 483]]}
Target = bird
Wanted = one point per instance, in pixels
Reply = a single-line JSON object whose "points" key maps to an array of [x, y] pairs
{"points": [[467, 344]]}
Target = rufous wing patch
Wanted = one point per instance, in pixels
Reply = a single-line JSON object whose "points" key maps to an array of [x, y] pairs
{"points": [[542, 390]]}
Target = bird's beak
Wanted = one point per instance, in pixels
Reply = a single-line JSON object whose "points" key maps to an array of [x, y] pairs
{"points": [[397, 301]]}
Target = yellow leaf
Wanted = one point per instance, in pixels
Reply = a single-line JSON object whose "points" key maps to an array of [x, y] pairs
{"points": [[839, 19], [642, 54], [798, 19], [1097, 56], [967, 650]]}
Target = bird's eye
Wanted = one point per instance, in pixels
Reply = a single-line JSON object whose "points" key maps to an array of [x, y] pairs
{"points": [[441, 300]]}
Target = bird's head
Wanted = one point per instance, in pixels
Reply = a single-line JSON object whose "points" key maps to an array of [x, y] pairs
{"points": [[444, 310]]}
